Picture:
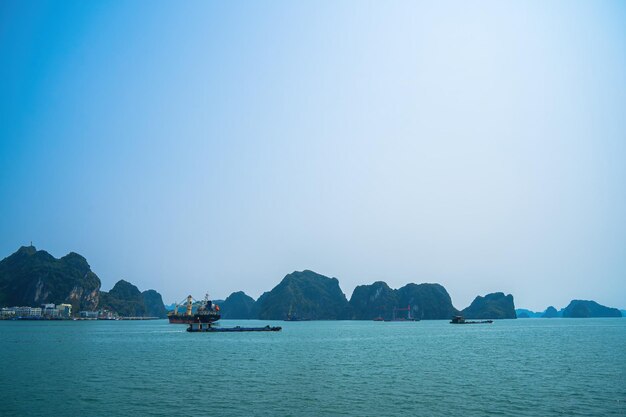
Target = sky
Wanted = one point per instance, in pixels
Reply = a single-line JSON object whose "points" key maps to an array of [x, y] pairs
{"points": [[209, 146]]}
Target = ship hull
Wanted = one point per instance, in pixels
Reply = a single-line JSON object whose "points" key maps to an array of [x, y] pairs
{"points": [[177, 319], [196, 318]]}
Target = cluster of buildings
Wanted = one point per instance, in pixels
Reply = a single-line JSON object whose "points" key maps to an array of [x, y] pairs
{"points": [[53, 312], [46, 311], [97, 315]]}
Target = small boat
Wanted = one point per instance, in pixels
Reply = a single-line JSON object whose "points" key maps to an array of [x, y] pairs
{"points": [[461, 320]]}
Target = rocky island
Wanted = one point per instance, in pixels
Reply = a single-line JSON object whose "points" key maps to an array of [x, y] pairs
{"points": [[575, 309], [311, 296], [304, 295], [31, 277], [492, 306], [585, 308], [377, 300]]}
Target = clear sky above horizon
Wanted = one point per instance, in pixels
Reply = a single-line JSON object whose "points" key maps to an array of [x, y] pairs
{"points": [[217, 146]]}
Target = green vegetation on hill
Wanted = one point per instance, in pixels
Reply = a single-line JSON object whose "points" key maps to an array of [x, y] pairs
{"points": [[255, 311], [154, 304], [126, 300], [30, 277], [492, 306], [585, 308], [371, 301], [427, 301], [238, 305], [307, 295]]}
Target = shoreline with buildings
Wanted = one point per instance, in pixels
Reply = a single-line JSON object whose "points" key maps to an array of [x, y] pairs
{"points": [[48, 312]]}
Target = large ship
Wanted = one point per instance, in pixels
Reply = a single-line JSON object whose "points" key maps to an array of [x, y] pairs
{"points": [[206, 313]]}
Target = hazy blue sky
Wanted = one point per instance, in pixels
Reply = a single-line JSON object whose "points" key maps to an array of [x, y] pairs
{"points": [[217, 146]]}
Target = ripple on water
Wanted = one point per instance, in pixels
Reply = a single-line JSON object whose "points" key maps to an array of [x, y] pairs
{"points": [[511, 368]]}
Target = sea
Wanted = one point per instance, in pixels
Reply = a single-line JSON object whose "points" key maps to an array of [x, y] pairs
{"points": [[524, 367]]}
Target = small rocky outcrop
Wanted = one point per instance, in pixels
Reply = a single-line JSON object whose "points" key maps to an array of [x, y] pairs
{"points": [[586, 308], [550, 313], [125, 299], [492, 306], [238, 305]]}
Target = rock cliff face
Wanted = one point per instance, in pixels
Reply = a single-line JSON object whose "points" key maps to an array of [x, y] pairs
{"points": [[371, 301], [427, 301], [30, 277], [154, 304], [126, 300], [584, 308], [306, 295], [238, 305], [492, 306], [255, 311]]}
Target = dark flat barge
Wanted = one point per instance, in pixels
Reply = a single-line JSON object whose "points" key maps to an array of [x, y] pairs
{"points": [[461, 320], [206, 327]]}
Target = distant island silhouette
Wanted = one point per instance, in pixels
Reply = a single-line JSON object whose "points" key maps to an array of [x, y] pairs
{"points": [[31, 277]]}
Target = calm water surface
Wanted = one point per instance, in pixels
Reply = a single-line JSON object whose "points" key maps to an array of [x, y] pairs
{"points": [[532, 367]]}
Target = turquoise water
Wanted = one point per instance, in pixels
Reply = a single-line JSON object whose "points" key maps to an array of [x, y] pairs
{"points": [[540, 367]]}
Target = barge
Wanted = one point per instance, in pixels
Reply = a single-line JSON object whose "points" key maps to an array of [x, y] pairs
{"points": [[207, 327], [461, 320]]}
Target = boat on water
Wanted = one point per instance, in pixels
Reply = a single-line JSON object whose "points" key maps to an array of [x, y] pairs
{"points": [[461, 320], [206, 313], [207, 327], [205, 316]]}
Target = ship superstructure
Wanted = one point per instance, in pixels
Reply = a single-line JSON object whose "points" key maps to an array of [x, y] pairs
{"points": [[207, 312]]}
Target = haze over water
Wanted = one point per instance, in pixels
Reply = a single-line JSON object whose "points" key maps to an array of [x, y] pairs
{"points": [[542, 367]]}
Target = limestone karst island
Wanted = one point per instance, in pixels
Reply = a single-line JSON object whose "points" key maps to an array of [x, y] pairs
{"points": [[36, 285]]}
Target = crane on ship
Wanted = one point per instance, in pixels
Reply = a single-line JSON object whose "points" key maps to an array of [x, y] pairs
{"points": [[189, 302], [195, 311]]}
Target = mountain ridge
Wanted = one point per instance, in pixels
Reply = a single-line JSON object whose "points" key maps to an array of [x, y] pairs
{"points": [[31, 277]]}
